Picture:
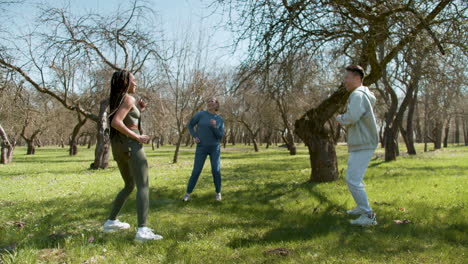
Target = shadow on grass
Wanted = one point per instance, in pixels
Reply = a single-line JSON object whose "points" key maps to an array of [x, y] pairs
{"points": [[251, 207]]}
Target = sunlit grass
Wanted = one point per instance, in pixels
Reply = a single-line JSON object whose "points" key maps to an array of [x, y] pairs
{"points": [[267, 204]]}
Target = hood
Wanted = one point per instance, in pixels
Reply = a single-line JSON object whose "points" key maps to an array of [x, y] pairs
{"points": [[369, 94]]}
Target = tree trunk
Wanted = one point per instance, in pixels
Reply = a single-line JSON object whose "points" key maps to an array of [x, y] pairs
{"points": [[426, 126], [390, 145], [289, 141], [179, 141], [176, 152], [318, 132], [465, 130], [381, 138], [225, 139], [73, 139], [419, 134], [7, 147], [153, 139], [90, 142], [233, 138], [437, 134], [408, 132], [31, 149], [252, 134], [447, 129], [255, 144], [390, 130], [268, 138], [188, 140], [457, 130], [101, 153]]}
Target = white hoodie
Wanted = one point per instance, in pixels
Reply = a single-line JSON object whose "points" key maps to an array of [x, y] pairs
{"points": [[359, 120]]}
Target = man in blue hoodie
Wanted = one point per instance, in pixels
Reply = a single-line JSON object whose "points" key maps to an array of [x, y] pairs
{"points": [[362, 139]]}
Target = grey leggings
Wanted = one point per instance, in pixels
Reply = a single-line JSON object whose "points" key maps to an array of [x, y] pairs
{"points": [[131, 159]]}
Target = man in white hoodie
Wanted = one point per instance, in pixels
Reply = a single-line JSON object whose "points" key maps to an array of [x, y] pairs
{"points": [[362, 139]]}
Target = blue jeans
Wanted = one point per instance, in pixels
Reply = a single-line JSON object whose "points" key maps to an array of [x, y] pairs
{"points": [[201, 152]]}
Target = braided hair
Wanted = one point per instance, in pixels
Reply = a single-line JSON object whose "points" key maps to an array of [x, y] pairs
{"points": [[119, 87]]}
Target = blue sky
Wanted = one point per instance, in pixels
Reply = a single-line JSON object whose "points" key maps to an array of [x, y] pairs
{"points": [[173, 14]]}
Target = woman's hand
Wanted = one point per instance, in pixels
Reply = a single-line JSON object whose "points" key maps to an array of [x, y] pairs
{"points": [[143, 139], [142, 105], [197, 140], [213, 122]]}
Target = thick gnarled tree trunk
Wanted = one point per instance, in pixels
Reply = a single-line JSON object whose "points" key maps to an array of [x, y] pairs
{"points": [[7, 147], [74, 136], [30, 140], [101, 153], [319, 133]]}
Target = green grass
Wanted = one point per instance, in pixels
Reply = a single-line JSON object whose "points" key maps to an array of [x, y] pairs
{"points": [[267, 204]]}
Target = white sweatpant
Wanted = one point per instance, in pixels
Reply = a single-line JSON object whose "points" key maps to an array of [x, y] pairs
{"points": [[357, 165]]}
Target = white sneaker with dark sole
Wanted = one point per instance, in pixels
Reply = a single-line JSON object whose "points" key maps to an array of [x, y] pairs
{"points": [[186, 197], [365, 220], [146, 234], [114, 225]]}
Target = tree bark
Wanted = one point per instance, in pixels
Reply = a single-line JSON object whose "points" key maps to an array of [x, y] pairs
{"points": [[73, 139], [179, 141], [253, 134], [7, 147], [101, 153], [465, 130], [437, 134], [419, 134], [407, 133], [446, 135], [90, 141], [176, 152], [318, 132], [31, 149]]}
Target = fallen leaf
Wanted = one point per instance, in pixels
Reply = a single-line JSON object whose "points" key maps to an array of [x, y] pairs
{"points": [[402, 222], [18, 224], [277, 251], [402, 209]]}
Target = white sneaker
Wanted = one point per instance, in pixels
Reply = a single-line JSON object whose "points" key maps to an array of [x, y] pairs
{"points": [[186, 197], [145, 233], [365, 220], [355, 211], [218, 197], [114, 225]]}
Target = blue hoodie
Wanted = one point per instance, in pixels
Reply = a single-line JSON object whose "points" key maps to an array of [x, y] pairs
{"points": [[207, 134]]}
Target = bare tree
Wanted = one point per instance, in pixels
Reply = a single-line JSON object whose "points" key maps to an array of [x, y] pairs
{"points": [[188, 82], [355, 28], [118, 41], [7, 147]]}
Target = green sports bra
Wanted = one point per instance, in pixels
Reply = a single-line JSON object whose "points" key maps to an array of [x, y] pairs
{"points": [[132, 117]]}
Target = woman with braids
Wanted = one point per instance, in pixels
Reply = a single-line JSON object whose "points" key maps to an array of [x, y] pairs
{"points": [[127, 149]]}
